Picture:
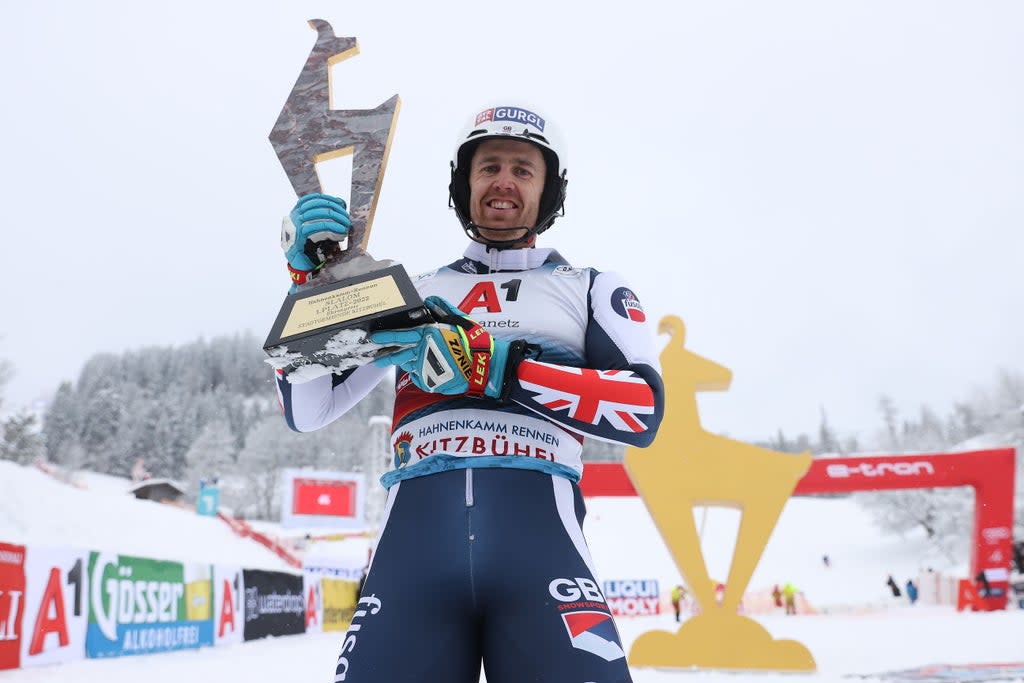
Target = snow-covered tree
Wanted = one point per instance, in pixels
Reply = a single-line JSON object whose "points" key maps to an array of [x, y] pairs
{"points": [[211, 456], [890, 417], [270, 448], [72, 458], [6, 372], [101, 421], [993, 416], [153, 403], [61, 423], [928, 434], [20, 441], [944, 515], [827, 441]]}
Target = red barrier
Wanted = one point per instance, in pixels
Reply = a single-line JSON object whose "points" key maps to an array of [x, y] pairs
{"points": [[966, 595], [989, 472]]}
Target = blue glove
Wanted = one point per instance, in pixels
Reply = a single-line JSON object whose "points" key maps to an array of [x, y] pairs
{"points": [[455, 355], [316, 221]]}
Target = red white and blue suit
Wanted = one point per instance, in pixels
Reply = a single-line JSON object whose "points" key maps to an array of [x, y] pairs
{"points": [[481, 555]]}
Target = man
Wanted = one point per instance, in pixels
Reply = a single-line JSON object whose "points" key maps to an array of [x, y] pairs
{"points": [[911, 591], [481, 555], [789, 593], [677, 595], [777, 595]]}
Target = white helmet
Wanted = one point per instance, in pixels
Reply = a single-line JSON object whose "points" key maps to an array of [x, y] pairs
{"points": [[519, 123]]}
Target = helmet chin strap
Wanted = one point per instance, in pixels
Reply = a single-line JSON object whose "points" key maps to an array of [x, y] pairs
{"points": [[530, 237], [527, 239]]}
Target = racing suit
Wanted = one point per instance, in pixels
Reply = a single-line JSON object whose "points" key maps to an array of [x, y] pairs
{"points": [[484, 559]]}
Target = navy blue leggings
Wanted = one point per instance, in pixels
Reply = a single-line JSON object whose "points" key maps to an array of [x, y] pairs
{"points": [[482, 565]]}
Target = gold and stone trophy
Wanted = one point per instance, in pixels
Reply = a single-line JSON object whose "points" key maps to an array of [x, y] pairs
{"points": [[324, 325]]}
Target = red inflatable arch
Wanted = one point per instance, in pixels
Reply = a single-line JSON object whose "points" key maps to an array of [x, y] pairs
{"points": [[989, 472]]}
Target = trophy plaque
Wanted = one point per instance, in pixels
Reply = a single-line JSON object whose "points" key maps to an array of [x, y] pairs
{"points": [[325, 323]]}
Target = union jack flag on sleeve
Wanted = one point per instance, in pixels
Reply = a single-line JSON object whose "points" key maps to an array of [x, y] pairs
{"points": [[618, 396]]}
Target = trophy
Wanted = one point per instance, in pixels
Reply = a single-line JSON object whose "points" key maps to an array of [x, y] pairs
{"points": [[325, 324]]}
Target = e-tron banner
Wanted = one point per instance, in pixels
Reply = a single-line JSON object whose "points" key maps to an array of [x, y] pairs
{"points": [[274, 605], [140, 606]]}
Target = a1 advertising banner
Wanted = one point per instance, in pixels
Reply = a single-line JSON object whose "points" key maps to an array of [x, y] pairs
{"points": [[633, 597], [228, 617], [139, 606], [274, 605], [12, 603], [56, 605], [313, 592], [330, 584]]}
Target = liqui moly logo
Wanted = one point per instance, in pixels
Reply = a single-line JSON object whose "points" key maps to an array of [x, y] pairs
{"points": [[631, 588], [514, 114], [867, 469], [633, 597]]}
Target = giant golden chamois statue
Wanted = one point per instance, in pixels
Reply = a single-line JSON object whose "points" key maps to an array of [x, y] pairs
{"points": [[685, 467]]}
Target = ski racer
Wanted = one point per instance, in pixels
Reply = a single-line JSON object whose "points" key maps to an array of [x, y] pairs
{"points": [[481, 555]]}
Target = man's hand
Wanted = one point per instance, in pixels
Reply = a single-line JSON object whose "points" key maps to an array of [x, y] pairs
{"points": [[455, 355], [316, 220]]}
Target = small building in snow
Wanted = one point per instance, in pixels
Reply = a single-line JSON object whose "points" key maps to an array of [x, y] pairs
{"points": [[159, 490]]}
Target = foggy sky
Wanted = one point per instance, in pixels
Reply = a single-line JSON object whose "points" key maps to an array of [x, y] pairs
{"points": [[828, 193]]}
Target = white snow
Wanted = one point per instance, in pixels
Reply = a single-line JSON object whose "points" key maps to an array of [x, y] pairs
{"points": [[39, 509], [347, 349], [859, 628]]}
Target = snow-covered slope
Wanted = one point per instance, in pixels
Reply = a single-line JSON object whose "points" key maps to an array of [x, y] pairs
{"points": [[37, 508], [626, 544]]}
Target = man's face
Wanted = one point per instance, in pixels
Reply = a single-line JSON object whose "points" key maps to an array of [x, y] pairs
{"points": [[506, 180]]}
